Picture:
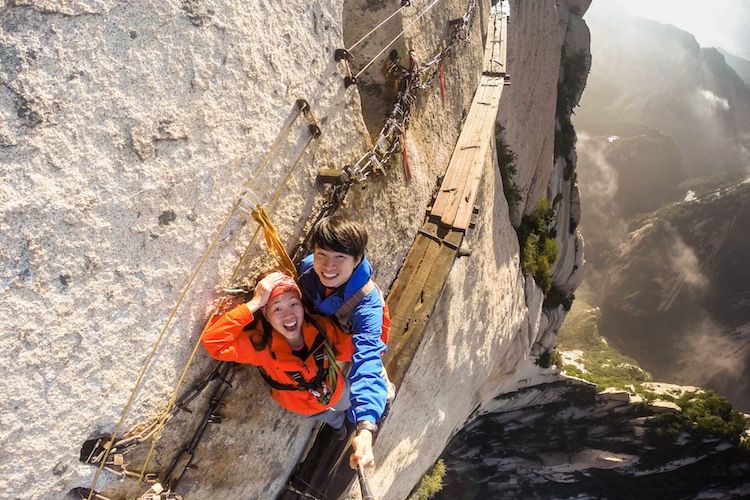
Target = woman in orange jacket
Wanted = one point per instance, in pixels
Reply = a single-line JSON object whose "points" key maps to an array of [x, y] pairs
{"points": [[294, 351]]}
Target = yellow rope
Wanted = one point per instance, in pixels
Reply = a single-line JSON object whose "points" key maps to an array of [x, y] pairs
{"points": [[150, 356], [271, 206], [165, 414], [273, 240], [279, 252], [173, 312]]}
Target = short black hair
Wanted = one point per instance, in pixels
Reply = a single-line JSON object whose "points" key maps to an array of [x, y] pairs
{"points": [[339, 233]]}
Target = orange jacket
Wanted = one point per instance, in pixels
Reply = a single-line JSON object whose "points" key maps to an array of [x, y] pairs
{"points": [[224, 340]]}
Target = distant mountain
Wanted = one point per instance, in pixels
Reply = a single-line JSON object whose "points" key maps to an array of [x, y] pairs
{"points": [[634, 170], [663, 150], [675, 294], [739, 64], [652, 73], [649, 164]]}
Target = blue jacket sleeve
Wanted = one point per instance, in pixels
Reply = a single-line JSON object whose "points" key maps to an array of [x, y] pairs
{"points": [[368, 386], [306, 264]]}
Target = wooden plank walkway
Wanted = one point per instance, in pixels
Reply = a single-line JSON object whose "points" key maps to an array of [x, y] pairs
{"points": [[421, 279], [414, 295], [457, 194]]}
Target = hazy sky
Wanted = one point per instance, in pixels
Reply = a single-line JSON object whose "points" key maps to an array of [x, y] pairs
{"points": [[715, 23]]}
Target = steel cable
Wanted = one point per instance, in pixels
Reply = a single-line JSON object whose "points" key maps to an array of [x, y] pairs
{"points": [[175, 308], [396, 38], [376, 27]]}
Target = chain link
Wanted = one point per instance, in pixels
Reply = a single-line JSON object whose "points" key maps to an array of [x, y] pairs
{"points": [[414, 79]]}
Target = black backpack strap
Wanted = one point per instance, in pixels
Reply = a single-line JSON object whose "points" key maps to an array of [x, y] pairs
{"points": [[278, 385], [325, 347]]}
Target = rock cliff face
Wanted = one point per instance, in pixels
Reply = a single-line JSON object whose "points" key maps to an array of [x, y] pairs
{"points": [[127, 133], [559, 438]]}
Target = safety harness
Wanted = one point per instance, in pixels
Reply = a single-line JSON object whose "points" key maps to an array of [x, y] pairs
{"points": [[323, 385], [345, 311]]}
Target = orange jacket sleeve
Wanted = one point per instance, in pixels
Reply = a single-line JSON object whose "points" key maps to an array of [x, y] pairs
{"points": [[224, 339]]}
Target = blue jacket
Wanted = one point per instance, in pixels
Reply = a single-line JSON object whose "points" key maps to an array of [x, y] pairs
{"points": [[368, 388]]}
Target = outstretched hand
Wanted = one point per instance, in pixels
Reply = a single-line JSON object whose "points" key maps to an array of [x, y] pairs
{"points": [[362, 450], [263, 290]]}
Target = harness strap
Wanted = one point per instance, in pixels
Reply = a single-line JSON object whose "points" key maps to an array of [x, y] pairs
{"points": [[276, 384], [273, 240], [319, 349], [300, 383], [343, 313]]}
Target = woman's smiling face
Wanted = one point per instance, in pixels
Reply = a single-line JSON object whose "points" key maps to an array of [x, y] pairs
{"points": [[285, 313]]}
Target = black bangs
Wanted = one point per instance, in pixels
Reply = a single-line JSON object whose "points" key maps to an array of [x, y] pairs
{"points": [[338, 233]]}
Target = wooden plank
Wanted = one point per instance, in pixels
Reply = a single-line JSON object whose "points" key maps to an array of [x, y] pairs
{"points": [[454, 178], [400, 359], [485, 114], [454, 174], [493, 43], [503, 59], [405, 289], [479, 121], [482, 122], [411, 263], [462, 216]]}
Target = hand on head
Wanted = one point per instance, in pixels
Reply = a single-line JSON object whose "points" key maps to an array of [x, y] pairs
{"points": [[264, 288]]}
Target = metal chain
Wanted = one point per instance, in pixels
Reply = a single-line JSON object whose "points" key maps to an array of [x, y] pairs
{"points": [[211, 416], [389, 141], [115, 460]]}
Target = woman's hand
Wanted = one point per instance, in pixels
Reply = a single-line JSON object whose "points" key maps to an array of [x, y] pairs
{"points": [[263, 291], [362, 450]]}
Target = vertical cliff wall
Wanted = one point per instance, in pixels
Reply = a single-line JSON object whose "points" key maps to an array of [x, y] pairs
{"points": [[127, 132], [492, 324], [128, 129]]}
